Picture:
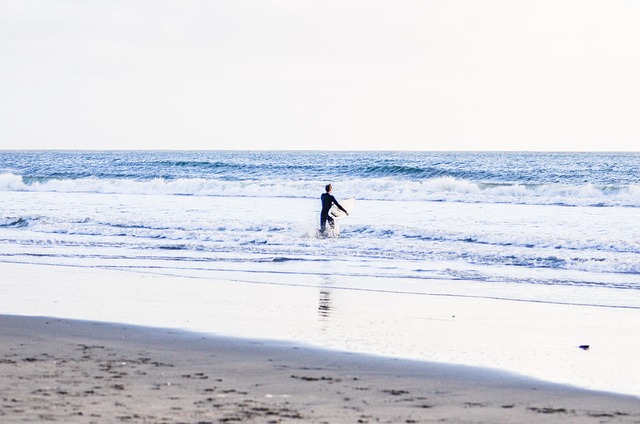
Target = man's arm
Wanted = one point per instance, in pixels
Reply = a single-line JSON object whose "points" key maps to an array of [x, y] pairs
{"points": [[340, 206]]}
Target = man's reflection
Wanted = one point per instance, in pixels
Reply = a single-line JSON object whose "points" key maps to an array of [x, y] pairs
{"points": [[324, 305]]}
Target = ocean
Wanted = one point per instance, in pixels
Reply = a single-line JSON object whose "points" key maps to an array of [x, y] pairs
{"points": [[527, 229]]}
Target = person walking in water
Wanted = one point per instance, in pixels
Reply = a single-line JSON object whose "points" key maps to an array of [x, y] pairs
{"points": [[327, 201]]}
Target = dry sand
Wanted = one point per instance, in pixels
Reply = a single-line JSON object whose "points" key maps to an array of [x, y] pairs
{"points": [[82, 372]]}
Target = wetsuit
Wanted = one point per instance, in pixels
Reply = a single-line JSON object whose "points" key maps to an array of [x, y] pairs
{"points": [[327, 201]]}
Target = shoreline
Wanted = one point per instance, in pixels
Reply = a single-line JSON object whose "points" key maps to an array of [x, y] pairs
{"points": [[537, 340], [80, 371]]}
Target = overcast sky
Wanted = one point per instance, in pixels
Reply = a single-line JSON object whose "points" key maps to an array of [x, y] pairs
{"points": [[298, 74]]}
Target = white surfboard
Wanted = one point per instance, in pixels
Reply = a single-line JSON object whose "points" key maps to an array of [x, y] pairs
{"points": [[348, 204]]}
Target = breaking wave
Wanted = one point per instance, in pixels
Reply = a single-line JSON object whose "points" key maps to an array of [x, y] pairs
{"points": [[440, 189]]}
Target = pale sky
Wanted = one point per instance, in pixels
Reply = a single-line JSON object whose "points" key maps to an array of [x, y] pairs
{"points": [[321, 75]]}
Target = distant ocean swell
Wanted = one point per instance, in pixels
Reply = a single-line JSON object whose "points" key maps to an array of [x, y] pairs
{"points": [[440, 189]]}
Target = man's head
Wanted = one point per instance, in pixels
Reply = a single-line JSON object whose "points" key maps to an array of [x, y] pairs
{"points": [[328, 188]]}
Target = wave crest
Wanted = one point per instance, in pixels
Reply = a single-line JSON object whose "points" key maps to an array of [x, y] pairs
{"points": [[441, 189]]}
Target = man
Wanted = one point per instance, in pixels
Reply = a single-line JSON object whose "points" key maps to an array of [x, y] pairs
{"points": [[327, 201]]}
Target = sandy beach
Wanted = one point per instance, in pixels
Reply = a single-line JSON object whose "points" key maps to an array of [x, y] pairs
{"points": [[84, 372]]}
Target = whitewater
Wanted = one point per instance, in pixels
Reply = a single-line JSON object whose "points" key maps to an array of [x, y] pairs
{"points": [[554, 234]]}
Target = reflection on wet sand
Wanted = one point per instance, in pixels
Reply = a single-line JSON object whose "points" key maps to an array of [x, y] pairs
{"points": [[324, 304]]}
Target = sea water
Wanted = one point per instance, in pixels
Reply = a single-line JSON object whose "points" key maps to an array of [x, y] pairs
{"points": [[515, 233]]}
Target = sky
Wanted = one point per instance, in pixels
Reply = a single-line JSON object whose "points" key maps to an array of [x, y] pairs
{"points": [[321, 75]]}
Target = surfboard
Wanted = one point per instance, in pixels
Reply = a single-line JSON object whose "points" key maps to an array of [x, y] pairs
{"points": [[348, 204]]}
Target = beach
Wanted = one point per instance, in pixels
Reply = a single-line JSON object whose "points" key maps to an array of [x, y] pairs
{"points": [[70, 371], [123, 346], [536, 339]]}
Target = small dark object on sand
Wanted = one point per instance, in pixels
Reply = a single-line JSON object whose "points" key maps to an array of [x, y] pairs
{"points": [[584, 347]]}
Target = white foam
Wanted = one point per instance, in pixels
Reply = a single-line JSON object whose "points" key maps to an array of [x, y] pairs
{"points": [[438, 189]]}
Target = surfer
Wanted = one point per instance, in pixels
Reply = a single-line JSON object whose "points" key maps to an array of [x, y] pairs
{"points": [[328, 200]]}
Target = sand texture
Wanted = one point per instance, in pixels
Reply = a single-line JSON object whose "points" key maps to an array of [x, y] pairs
{"points": [[54, 370]]}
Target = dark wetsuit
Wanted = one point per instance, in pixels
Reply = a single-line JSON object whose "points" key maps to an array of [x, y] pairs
{"points": [[327, 201]]}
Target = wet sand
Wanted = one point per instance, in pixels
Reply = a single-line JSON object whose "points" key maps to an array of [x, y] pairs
{"points": [[83, 372]]}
